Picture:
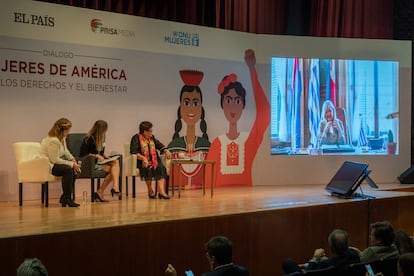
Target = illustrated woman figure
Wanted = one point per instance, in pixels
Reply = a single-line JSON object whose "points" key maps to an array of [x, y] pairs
{"points": [[234, 151], [331, 129], [190, 111]]}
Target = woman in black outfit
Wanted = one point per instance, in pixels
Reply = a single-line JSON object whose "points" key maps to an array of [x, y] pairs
{"points": [[147, 149], [94, 144]]}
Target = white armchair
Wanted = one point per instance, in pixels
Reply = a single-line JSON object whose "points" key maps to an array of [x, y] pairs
{"points": [[167, 163], [32, 170], [130, 169]]}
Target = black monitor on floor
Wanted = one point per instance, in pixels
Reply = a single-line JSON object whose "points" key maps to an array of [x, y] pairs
{"points": [[348, 178]]}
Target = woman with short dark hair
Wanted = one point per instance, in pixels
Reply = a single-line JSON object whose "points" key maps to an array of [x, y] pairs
{"points": [[147, 148]]}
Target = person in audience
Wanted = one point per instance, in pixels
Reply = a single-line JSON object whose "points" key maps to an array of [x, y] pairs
{"points": [[219, 253], [381, 238], [405, 265], [290, 267], [331, 129], [342, 255], [403, 242], [146, 147], [32, 267], [62, 162], [94, 144]]}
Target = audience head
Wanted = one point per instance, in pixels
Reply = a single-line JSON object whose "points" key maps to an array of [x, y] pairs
{"points": [[403, 242], [60, 128], [32, 267], [219, 251], [338, 241], [381, 233], [405, 265], [291, 267]]}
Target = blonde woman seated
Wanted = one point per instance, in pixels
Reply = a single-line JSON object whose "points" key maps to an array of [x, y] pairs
{"points": [[94, 144], [331, 129], [62, 162]]}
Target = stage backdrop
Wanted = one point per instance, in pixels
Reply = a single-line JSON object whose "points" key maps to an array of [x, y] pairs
{"points": [[58, 61]]}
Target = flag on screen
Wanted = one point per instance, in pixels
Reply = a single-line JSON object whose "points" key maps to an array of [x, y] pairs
{"points": [[362, 140], [313, 101], [283, 133], [332, 82], [296, 94]]}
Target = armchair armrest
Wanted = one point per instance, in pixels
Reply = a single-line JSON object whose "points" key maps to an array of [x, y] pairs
{"points": [[87, 167], [166, 162], [34, 170], [130, 165]]}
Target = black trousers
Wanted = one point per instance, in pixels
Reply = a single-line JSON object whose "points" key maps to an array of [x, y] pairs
{"points": [[68, 178]]}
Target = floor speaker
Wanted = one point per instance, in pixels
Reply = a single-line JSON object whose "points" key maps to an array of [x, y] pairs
{"points": [[407, 177]]}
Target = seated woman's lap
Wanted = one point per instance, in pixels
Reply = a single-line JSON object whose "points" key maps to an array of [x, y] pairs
{"points": [[62, 170]]}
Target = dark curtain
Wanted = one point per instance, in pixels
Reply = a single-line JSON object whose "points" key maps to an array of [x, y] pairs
{"points": [[352, 18], [199, 12], [264, 17], [330, 18]]}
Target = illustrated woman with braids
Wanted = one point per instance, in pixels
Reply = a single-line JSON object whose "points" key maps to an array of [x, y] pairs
{"points": [[235, 151], [190, 111]]}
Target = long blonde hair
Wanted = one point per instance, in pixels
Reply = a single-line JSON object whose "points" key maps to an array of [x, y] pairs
{"points": [[59, 127], [97, 132]]}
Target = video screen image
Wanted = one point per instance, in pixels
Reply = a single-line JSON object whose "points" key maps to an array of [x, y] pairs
{"points": [[334, 107]]}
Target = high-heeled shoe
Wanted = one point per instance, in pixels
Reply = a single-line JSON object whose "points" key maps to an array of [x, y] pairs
{"points": [[152, 196], [160, 196], [113, 192], [98, 198], [69, 202]]}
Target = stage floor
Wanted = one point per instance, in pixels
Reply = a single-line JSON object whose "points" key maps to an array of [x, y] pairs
{"points": [[34, 219]]}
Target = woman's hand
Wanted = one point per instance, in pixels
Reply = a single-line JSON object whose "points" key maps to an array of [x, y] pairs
{"points": [[250, 58], [335, 124], [145, 162], [170, 271], [76, 167], [167, 154], [99, 157], [319, 253]]}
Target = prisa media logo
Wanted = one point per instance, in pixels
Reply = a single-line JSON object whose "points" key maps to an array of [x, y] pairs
{"points": [[95, 25], [98, 27]]}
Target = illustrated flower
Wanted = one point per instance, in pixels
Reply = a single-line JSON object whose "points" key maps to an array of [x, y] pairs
{"points": [[232, 78]]}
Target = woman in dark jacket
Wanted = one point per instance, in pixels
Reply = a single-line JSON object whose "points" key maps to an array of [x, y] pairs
{"points": [[147, 148]]}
